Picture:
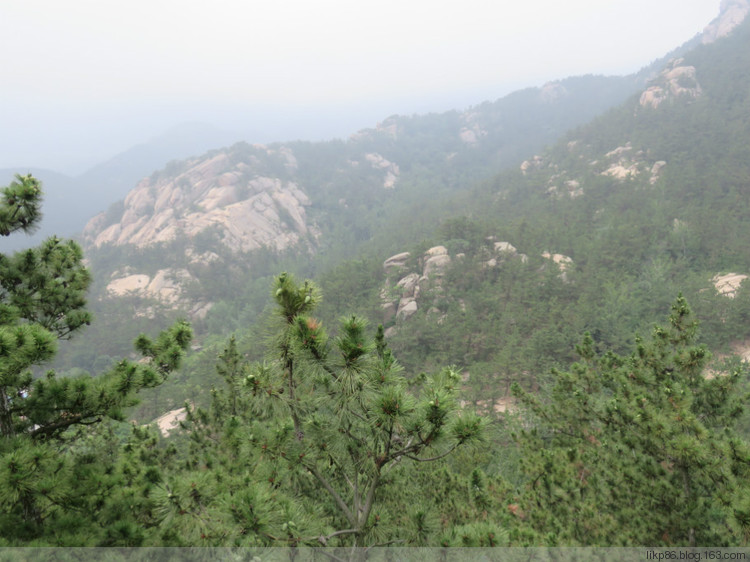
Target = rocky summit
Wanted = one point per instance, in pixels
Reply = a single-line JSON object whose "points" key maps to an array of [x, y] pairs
{"points": [[214, 193]]}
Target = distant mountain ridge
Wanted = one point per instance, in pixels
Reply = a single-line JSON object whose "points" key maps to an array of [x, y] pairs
{"points": [[453, 148], [497, 273], [70, 201], [106, 183], [329, 177], [598, 233]]}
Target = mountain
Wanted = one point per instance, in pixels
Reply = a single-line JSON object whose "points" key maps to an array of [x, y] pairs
{"points": [[599, 233], [642, 441], [329, 198], [225, 187], [71, 201], [108, 182], [112, 180], [499, 274]]}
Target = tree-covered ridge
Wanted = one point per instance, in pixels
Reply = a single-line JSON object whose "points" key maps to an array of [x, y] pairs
{"points": [[447, 150], [643, 203], [325, 199], [632, 199], [220, 288]]}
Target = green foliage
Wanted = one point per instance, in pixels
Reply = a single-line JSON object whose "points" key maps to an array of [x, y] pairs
{"points": [[328, 421], [351, 415], [42, 420], [20, 205], [318, 444], [636, 450]]}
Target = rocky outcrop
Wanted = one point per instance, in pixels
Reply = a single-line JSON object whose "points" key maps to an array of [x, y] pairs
{"points": [[506, 404], [436, 261], [677, 80], [564, 263], [728, 284], [128, 285], [170, 421], [731, 14], [552, 92], [404, 287], [388, 128], [396, 263], [406, 307], [472, 131], [622, 164], [245, 211], [391, 170], [536, 163], [502, 251], [656, 171], [166, 286]]}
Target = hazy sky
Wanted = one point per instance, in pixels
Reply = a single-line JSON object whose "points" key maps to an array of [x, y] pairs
{"points": [[83, 79]]}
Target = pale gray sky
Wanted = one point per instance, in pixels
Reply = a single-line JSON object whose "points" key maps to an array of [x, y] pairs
{"points": [[83, 79]]}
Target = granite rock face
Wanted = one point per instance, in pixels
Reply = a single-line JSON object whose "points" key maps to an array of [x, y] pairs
{"points": [[677, 80], [211, 193], [412, 283], [731, 14]]}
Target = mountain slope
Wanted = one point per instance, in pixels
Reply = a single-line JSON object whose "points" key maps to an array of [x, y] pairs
{"points": [[71, 201], [608, 226], [390, 164], [599, 233]]}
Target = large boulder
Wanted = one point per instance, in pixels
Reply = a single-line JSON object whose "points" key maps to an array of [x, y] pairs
{"points": [[436, 266], [406, 308], [728, 284], [396, 263], [409, 285], [436, 261]]}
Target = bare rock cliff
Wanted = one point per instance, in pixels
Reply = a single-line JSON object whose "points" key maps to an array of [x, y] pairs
{"points": [[731, 14], [211, 193], [677, 80]]}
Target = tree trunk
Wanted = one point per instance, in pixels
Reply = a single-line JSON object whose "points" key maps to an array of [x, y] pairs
{"points": [[6, 419]]}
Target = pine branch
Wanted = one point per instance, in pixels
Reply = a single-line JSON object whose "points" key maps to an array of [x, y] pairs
{"points": [[61, 425], [343, 473], [324, 539], [442, 456], [293, 409], [334, 494], [370, 497]]}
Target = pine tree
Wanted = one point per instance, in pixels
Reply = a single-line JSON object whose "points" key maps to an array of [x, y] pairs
{"points": [[42, 299], [637, 450], [348, 418]]}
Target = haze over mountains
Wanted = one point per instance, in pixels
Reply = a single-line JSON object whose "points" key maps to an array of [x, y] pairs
{"points": [[72, 200], [507, 240], [314, 204], [109, 181], [203, 235], [276, 196]]}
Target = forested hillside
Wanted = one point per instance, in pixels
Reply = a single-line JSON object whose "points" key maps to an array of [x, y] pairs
{"points": [[599, 234], [205, 236], [545, 354]]}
